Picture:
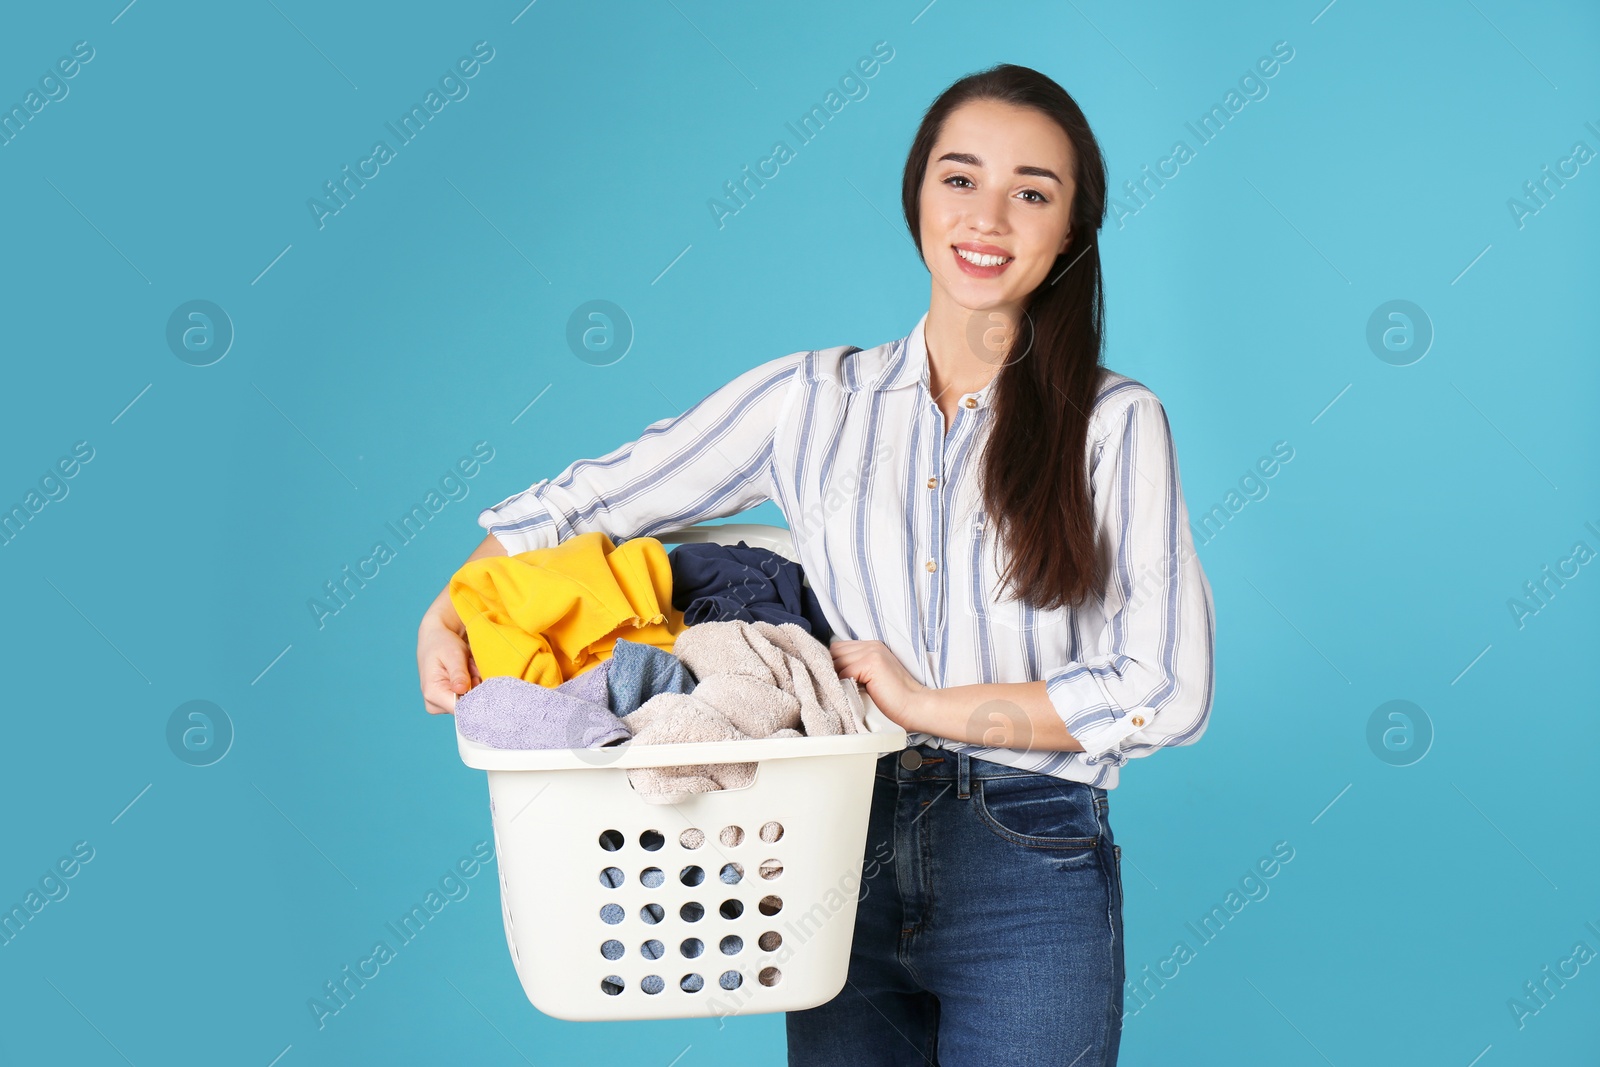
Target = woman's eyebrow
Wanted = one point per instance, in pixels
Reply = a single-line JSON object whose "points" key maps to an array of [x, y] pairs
{"points": [[973, 161]]}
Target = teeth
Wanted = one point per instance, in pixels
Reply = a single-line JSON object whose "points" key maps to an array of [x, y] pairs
{"points": [[982, 260]]}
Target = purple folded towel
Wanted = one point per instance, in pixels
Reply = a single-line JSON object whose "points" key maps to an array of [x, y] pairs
{"points": [[506, 712]]}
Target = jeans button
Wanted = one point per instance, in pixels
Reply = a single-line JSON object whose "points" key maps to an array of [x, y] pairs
{"points": [[910, 759]]}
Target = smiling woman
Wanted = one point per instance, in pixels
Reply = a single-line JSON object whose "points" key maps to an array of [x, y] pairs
{"points": [[989, 491]]}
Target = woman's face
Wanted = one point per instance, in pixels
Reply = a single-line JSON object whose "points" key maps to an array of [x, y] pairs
{"points": [[999, 181]]}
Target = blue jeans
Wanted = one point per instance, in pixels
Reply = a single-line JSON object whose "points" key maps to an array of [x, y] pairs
{"points": [[989, 927]]}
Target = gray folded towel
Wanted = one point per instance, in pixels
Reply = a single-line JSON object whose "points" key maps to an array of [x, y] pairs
{"points": [[582, 712], [506, 712], [755, 680]]}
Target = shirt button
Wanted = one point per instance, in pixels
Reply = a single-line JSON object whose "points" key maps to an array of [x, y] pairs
{"points": [[931, 565], [1137, 720], [971, 402], [933, 483]]}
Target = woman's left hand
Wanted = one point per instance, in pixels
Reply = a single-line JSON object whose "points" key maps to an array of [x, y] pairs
{"points": [[890, 685]]}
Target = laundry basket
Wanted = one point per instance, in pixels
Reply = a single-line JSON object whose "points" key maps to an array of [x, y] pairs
{"points": [[726, 903]]}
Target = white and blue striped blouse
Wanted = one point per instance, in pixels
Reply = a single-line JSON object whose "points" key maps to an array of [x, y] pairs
{"points": [[888, 522]]}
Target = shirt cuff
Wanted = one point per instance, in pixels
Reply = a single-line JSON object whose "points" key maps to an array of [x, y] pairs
{"points": [[1101, 731], [522, 522]]}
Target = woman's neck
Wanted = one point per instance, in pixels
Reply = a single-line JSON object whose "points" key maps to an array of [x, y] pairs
{"points": [[966, 348]]}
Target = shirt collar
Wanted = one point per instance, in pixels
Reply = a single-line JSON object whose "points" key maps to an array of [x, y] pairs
{"points": [[908, 364]]}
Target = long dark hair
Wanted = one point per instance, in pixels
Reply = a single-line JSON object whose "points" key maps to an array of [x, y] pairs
{"points": [[1035, 472]]}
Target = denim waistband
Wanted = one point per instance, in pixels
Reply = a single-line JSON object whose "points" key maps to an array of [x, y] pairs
{"points": [[943, 764]]}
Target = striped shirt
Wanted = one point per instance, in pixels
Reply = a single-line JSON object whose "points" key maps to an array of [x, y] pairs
{"points": [[887, 517]]}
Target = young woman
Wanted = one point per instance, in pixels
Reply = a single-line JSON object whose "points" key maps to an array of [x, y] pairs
{"points": [[995, 526]]}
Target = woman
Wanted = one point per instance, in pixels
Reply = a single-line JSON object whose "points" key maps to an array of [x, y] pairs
{"points": [[995, 527]]}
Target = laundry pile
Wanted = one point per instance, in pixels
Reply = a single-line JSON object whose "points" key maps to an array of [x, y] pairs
{"points": [[590, 644]]}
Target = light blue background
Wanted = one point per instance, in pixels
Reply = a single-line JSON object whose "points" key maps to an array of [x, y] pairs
{"points": [[428, 313]]}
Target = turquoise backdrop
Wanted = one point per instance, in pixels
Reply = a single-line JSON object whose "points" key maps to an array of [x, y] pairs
{"points": [[1381, 263]]}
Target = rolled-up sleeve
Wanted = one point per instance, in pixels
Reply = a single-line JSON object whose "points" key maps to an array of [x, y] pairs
{"points": [[712, 461], [1145, 678]]}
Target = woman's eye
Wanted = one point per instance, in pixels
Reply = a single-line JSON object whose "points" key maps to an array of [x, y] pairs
{"points": [[957, 178], [1041, 196]]}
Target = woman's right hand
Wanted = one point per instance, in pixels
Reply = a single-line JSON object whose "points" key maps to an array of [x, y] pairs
{"points": [[444, 660]]}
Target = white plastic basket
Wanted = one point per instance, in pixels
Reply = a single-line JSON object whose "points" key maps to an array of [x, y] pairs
{"points": [[563, 817]]}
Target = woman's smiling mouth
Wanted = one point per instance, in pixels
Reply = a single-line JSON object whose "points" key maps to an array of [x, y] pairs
{"points": [[981, 262]]}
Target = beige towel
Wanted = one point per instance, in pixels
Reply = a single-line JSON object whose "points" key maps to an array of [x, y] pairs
{"points": [[755, 680]]}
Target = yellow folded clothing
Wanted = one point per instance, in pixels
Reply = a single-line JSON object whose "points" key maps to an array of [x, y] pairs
{"points": [[549, 615]]}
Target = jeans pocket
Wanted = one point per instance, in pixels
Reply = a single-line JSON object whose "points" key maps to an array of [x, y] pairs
{"points": [[1116, 850], [1039, 811]]}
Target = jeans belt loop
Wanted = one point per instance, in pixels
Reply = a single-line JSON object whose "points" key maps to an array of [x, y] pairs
{"points": [[963, 775]]}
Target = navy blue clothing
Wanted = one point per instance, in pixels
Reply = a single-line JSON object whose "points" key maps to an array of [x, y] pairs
{"points": [[737, 583]]}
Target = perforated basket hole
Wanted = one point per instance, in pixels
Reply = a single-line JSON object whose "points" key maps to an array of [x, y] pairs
{"points": [[771, 831], [692, 947], [612, 950], [612, 914], [611, 877], [652, 984], [770, 941], [732, 873], [692, 912], [731, 980], [731, 909], [692, 875], [611, 985], [770, 904], [652, 949], [651, 840], [611, 840], [770, 869], [769, 976], [692, 983], [730, 945], [692, 838], [651, 877], [731, 836], [652, 913]]}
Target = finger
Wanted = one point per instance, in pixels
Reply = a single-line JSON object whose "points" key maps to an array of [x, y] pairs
{"points": [[436, 696], [454, 663], [445, 683]]}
